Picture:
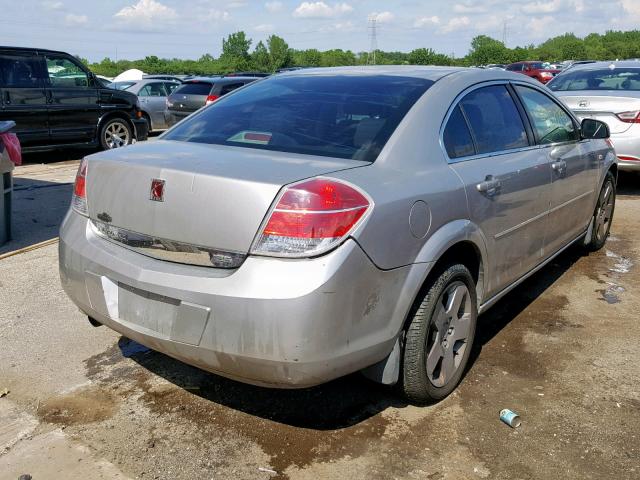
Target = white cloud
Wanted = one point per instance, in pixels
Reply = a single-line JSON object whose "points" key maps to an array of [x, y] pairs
{"points": [[631, 6], [265, 27], [539, 27], [74, 20], [426, 21], [383, 17], [52, 5], [456, 23], [147, 13], [462, 8], [274, 7], [214, 16], [238, 4], [551, 6], [321, 10]]}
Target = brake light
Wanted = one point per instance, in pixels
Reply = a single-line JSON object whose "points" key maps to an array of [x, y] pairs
{"points": [[211, 99], [311, 218], [629, 117], [79, 199]]}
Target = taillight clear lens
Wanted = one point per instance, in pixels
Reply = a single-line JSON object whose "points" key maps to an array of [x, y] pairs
{"points": [[629, 117], [79, 199], [311, 218]]}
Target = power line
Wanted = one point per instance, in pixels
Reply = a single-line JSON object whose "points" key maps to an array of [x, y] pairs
{"points": [[373, 37]]}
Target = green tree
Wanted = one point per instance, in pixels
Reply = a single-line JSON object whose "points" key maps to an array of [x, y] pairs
{"points": [[486, 50], [279, 53], [260, 59], [235, 51]]}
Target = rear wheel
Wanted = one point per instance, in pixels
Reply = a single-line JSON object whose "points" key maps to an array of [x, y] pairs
{"points": [[115, 133], [603, 214], [440, 336]]}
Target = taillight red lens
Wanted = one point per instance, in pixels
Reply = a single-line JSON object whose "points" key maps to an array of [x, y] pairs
{"points": [[79, 199], [211, 99], [312, 217], [629, 117]]}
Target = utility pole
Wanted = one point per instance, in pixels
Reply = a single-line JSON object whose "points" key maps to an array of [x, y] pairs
{"points": [[373, 37], [504, 33]]}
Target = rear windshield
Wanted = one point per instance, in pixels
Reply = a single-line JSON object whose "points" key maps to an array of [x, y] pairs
{"points": [[334, 116], [121, 85], [194, 88], [537, 65], [605, 79]]}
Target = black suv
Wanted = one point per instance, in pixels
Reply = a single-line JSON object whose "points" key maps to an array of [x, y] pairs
{"points": [[56, 102], [195, 93]]}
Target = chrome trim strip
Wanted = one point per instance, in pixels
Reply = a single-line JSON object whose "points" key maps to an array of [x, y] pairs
{"points": [[520, 225], [167, 250], [575, 199]]}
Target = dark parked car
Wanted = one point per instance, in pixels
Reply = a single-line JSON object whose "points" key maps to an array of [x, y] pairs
{"points": [[55, 101], [535, 70], [198, 92]]}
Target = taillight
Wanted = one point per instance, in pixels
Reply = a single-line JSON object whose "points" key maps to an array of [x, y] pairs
{"points": [[211, 99], [311, 218], [629, 117], [79, 199]]}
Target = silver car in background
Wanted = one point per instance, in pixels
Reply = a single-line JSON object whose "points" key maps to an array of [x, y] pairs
{"points": [[152, 94], [326, 221], [610, 92]]}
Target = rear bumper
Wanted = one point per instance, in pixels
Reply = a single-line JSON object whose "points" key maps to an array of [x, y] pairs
{"points": [[627, 146], [175, 117], [283, 323], [141, 129]]}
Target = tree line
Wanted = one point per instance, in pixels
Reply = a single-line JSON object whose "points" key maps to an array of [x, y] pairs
{"points": [[275, 53]]}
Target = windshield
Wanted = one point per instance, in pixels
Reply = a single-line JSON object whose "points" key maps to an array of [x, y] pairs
{"points": [[336, 116], [605, 79]]}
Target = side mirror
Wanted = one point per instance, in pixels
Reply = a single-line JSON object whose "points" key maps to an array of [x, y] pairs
{"points": [[591, 128]]}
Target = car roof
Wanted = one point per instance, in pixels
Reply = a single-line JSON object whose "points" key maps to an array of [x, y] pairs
{"points": [[27, 49], [213, 80], [427, 72], [603, 65]]}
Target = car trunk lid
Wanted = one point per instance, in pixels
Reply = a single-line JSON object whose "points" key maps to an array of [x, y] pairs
{"points": [[602, 106], [213, 196]]}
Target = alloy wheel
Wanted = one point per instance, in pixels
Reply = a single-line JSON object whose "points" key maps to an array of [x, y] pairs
{"points": [[448, 335], [116, 135]]}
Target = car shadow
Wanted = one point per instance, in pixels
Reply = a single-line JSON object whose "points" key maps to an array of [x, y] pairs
{"points": [[346, 401], [628, 184], [38, 208]]}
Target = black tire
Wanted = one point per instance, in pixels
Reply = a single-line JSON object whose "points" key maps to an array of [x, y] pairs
{"points": [[603, 215], [148, 119], [115, 133], [427, 333]]}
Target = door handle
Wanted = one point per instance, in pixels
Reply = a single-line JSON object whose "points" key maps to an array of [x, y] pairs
{"points": [[7, 98], [490, 186], [559, 167]]}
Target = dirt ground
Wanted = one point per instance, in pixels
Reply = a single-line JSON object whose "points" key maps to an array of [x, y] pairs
{"points": [[561, 350]]}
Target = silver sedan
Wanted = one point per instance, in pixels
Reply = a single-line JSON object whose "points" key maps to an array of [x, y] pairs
{"points": [[322, 222], [607, 91], [152, 95]]}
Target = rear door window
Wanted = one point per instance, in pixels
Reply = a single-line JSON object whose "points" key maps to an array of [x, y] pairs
{"points": [[170, 87], [457, 137], [551, 123], [20, 71], [496, 124], [152, 90], [230, 87], [194, 88], [344, 116]]}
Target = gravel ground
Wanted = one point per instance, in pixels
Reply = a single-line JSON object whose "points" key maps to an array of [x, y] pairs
{"points": [[561, 350]]}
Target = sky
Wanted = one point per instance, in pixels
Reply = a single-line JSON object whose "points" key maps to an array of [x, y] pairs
{"points": [[133, 29]]}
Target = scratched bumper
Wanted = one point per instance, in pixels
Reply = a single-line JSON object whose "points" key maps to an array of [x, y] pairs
{"points": [[284, 323]]}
